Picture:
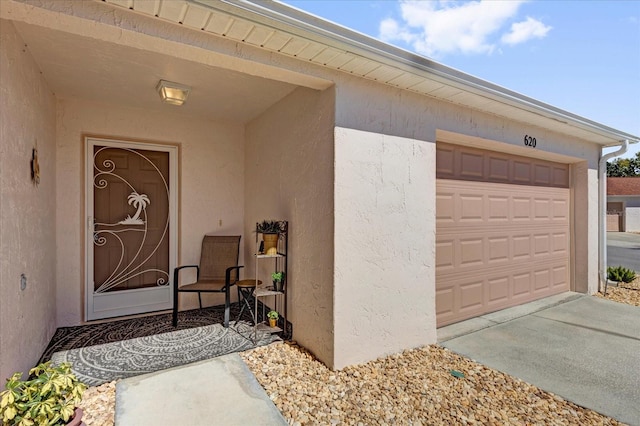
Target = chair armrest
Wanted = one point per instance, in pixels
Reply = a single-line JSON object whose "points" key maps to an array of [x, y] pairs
{"points": [[227, 276], [176, 270]]}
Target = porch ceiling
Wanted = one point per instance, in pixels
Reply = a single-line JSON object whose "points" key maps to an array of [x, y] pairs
{"points": [[86, 68]]}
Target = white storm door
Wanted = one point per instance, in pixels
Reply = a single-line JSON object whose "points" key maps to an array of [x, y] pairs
{"points": [[131, 237]]}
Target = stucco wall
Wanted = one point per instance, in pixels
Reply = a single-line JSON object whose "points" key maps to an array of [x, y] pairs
{"points": [[289, 176], [384, 245], [379, 112], [27, 212], [211, 185], [632, 216]]}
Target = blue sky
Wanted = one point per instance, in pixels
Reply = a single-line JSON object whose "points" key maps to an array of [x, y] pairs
{"points": [[581, 56]]}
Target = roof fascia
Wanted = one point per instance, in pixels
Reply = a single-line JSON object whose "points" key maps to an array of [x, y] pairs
{"points": [[283, 17]]}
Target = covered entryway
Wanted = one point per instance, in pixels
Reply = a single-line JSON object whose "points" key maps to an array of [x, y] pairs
{"points": [[502, 231]]}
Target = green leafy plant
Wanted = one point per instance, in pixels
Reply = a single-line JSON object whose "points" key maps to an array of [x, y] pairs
{"points": [[49, 398], [620, 274], [273, 315], [277, 276], [271, 227]]}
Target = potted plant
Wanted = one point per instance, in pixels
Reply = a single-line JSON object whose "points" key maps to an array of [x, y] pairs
{"points": [[270, 230], [278, 279], [49, 397], [273, 318]]}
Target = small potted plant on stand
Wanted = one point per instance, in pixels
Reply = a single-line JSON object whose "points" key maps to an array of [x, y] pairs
{"points": [[278, 279], [49, 398], [273, 318], [270, 230]]}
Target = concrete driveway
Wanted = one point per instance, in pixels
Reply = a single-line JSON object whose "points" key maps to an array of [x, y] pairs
{"points": [[623, 248], [583, 348]]}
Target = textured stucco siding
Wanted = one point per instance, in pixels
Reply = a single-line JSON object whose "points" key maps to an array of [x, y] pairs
{"points": [[27, 212], [384, 245], [345, 165], [211, 186], [289, 176], [379, 112]]}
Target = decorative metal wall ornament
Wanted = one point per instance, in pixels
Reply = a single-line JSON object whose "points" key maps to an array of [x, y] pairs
{"points": [[35, 166], [120, 273]]}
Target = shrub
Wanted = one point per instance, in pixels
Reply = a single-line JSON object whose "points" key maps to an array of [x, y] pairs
{"points": [[620, 274], [48, 399]]}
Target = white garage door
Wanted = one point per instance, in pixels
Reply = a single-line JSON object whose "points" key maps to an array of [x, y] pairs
{"points": [[498, 244]]}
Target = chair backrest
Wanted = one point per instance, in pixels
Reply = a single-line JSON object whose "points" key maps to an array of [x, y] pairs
{"points": [[219, 252]]}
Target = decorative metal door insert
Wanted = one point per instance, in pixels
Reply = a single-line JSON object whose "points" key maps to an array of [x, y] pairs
{"points": [[131, 239], [133, 251]]}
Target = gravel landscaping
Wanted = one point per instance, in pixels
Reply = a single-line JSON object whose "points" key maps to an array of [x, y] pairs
{"points": [[624, 293], [415, 387]]}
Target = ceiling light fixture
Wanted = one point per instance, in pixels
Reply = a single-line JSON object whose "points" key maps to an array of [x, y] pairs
{"points": [[173, 93]]}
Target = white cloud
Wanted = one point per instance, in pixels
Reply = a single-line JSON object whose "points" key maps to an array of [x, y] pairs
{"points": [[524, 31], [435, 28], [390, 30]]}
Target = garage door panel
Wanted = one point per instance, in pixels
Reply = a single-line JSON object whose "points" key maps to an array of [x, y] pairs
{"points": [[445, 255], [471, 210], [445, 207], [560, 277], [444, 301], [541, 245], [471, 296], [560, 209], [542, 174], [471, 165], [498, 169], [498, 290], [541, 280], [472, 252], [521, 284], [560, 241], [522, 172], [498, 245], [542, 209], [460, 254], [498, 250], [521, 247], [498, 210]]}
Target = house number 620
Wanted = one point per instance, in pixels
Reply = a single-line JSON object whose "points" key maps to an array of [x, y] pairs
{"points": [[529, 141]]}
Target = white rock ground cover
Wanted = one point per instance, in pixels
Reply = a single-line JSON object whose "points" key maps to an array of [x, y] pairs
{"points": [[415, 387]]}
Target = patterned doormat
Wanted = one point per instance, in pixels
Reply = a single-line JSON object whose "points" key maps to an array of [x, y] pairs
{"points": [[99, 364], [66, 338]]}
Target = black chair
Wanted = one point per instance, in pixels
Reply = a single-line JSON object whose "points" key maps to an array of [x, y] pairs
{"points": [[217, 273]]}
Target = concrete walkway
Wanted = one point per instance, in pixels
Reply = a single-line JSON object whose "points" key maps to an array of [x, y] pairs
{"points": [[585, 349], [220, 391]]}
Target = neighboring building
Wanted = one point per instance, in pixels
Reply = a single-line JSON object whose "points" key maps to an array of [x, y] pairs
{"points": [[623, 204], [416, 195]]}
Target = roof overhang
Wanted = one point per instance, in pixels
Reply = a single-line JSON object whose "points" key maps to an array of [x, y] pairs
{"points": [[280, 28], [287, 31]]}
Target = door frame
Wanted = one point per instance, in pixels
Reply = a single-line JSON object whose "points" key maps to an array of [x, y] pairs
{"points": [[129, 301]]}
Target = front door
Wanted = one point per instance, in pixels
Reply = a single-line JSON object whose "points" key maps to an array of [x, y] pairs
{"points": [[131, 217]]}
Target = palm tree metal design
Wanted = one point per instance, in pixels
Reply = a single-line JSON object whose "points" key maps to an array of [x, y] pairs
{"points": [[138, 201]]}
